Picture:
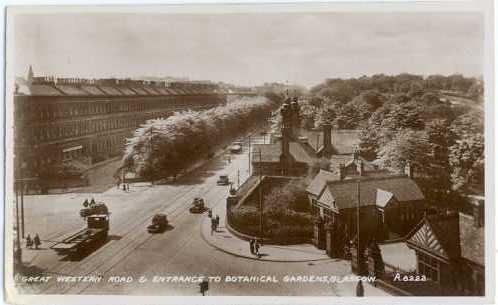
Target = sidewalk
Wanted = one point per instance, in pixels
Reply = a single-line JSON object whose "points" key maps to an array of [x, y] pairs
{"points": [[225, 241]]}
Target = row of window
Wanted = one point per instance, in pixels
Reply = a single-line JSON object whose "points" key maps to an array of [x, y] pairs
{"points": [[109, 145], [428, 266], [87, 127], [52, 111]]}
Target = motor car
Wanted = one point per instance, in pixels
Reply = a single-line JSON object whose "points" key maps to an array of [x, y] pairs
{"points": [[223, 180], [159, 223], [236, 147], [198, 206]]}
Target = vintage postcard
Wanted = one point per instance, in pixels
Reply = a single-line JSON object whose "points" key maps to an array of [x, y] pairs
{"points": [[183, 154]]}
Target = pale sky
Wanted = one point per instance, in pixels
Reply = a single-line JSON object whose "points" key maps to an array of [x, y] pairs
{"points": [[249, 49]]}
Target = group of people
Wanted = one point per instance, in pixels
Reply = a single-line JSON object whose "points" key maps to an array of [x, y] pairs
{"points": [[254, 246], [215, 221], [35, 241], [126, 186], [88, 204]]}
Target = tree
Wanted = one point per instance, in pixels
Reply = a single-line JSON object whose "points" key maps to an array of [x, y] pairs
{"points": [[162, 147], [466, 156], [407, 147]]}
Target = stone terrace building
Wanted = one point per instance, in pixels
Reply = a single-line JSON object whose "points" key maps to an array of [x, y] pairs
{"points": [[63, 126]]}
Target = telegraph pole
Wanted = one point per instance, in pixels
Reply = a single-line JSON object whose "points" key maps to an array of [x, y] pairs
{"points": [[249, 154], [238, 178], [358, 226], [22, 200], [260, 196], [18, 248], [151, 148]]}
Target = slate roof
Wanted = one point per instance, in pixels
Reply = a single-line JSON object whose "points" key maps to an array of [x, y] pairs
{"points": [[110, 90], [269, 152], [126, 90], [320, 180], [71, 90], [150, 90], [345, 192], [139, 91], [50, 88], [471, 240], [272, 152], [94, 90], [44, 90], [300, 153], [446, 230], [343, 141]]}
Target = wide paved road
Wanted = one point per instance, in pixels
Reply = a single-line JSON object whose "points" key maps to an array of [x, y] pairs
{"points": [[132, 252]]}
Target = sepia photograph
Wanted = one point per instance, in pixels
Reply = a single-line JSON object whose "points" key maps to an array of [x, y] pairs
{"points": [[253, 150]]}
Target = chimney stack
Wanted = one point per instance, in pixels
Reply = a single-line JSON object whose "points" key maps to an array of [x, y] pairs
{"points": [[327, 137], [342, 171], [477, 210], [408, 169], [286, 129]]}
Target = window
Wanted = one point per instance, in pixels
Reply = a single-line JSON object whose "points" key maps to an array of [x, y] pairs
{"points": [[428, 266], [380, 216]]}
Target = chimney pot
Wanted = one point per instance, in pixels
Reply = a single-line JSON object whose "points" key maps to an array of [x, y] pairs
{"points": [[342, 171]]}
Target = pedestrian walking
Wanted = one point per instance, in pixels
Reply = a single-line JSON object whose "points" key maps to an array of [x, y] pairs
{"points": [[210, 213], [256, 248], [128, 187], [29, 242], [37, 241], [217, 221], [124, 187], [251, 245], [360, 291], [213, 225]]}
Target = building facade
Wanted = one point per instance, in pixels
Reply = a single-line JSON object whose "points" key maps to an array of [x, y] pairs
{"points": [[387, 207], [450, 250], [64, 126]]}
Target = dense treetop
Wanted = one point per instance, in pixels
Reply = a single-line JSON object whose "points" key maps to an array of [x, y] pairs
{"points": [[435, 124]]}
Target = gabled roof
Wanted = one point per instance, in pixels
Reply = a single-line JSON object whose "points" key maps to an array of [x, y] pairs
{"points": [[320, 180], [346, 195], [383, 198], [471, 240], [456, 234], [327, 198], [300, 153]]}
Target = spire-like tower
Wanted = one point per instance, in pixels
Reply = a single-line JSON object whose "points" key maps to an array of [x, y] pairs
{"points": [[31, 75]]}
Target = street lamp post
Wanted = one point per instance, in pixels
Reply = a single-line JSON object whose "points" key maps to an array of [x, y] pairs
{"points": [[151, 148], [260, 196], [18, 247]]}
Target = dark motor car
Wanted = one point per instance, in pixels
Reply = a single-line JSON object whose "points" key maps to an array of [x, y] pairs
{"points": [[223, 180], [159, 223], [198, 206]]}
